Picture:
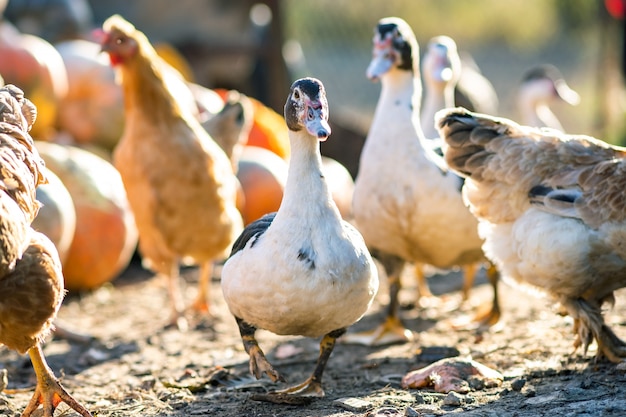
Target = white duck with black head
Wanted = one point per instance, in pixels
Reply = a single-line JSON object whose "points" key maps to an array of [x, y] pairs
{"points": [[302, 270], [407, 204]]}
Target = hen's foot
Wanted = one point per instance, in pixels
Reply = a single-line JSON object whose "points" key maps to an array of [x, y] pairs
{"points": [[200, 306], [392, 331], [177, 321], [610, 346], [201, 303], [453, 374], [49, 393]]}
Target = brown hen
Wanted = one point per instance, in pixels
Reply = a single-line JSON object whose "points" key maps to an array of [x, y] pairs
{"points": [[31, 280], [180, 183], [552, 212]]}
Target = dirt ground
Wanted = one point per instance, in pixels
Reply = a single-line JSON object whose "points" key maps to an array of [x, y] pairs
{"points": [[132, 367]]}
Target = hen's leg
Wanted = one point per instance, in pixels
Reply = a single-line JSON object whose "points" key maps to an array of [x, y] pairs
{"points": [[392, 330], [177, 316], [610, 345], [201, 304], [312, 387], [589, 324], [49, 393], [259, 364]]}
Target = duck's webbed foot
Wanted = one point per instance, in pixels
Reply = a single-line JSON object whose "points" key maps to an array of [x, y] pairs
{"points": [[259, 364]]}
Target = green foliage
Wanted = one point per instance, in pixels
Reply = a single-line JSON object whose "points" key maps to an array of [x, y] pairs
{"points": [[520, 23]]}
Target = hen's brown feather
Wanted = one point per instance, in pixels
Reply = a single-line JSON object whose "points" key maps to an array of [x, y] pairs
{"points": [[552, 209], [180, 183], [493, 151], [30, 295], [31, 283]]}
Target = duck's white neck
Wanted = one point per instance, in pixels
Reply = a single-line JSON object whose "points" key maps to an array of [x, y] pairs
{"points": [[401, 87], [306, 185], [537, 113], [400, 95], [438, 96]]}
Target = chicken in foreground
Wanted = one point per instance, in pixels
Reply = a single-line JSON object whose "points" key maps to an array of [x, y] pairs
{"points": [[180, 183], [302, 270], [552, 212], [407, 203], [31, 279]]}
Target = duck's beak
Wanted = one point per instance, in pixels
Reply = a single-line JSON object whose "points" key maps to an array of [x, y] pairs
{"points": [[379, 65], [566, 93], [316, 123]]}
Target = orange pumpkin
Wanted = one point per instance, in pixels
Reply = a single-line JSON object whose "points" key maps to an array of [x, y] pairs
{"points": [[262, 175], [35, 66], [105, 237], [57, 217], [340, 184]]}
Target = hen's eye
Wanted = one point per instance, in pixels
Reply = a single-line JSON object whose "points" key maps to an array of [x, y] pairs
{"points": [[296, 95], [119, 41]]}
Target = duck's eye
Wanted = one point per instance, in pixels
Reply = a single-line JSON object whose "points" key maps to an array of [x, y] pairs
{"points": [[296, 95]]}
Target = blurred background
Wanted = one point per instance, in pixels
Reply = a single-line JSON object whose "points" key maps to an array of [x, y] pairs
{"points": [[259, 47]]}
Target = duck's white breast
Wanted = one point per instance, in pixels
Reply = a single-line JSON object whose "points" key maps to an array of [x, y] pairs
{"points": [[312, 283]]}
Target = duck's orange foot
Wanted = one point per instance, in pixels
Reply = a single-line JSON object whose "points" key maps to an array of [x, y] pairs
{"points": [[392, 331], [487, 317], [453, 374], [309, 388]]}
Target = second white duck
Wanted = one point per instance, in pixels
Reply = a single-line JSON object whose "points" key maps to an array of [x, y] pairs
{"points": [[407, 204]]}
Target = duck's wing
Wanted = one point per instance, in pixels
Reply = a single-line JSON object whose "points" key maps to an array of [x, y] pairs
{"points": [[253, 230]]}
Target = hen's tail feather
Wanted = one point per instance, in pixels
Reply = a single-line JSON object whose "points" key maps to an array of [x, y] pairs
{"points": [[590, 326], [466, 135]]}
